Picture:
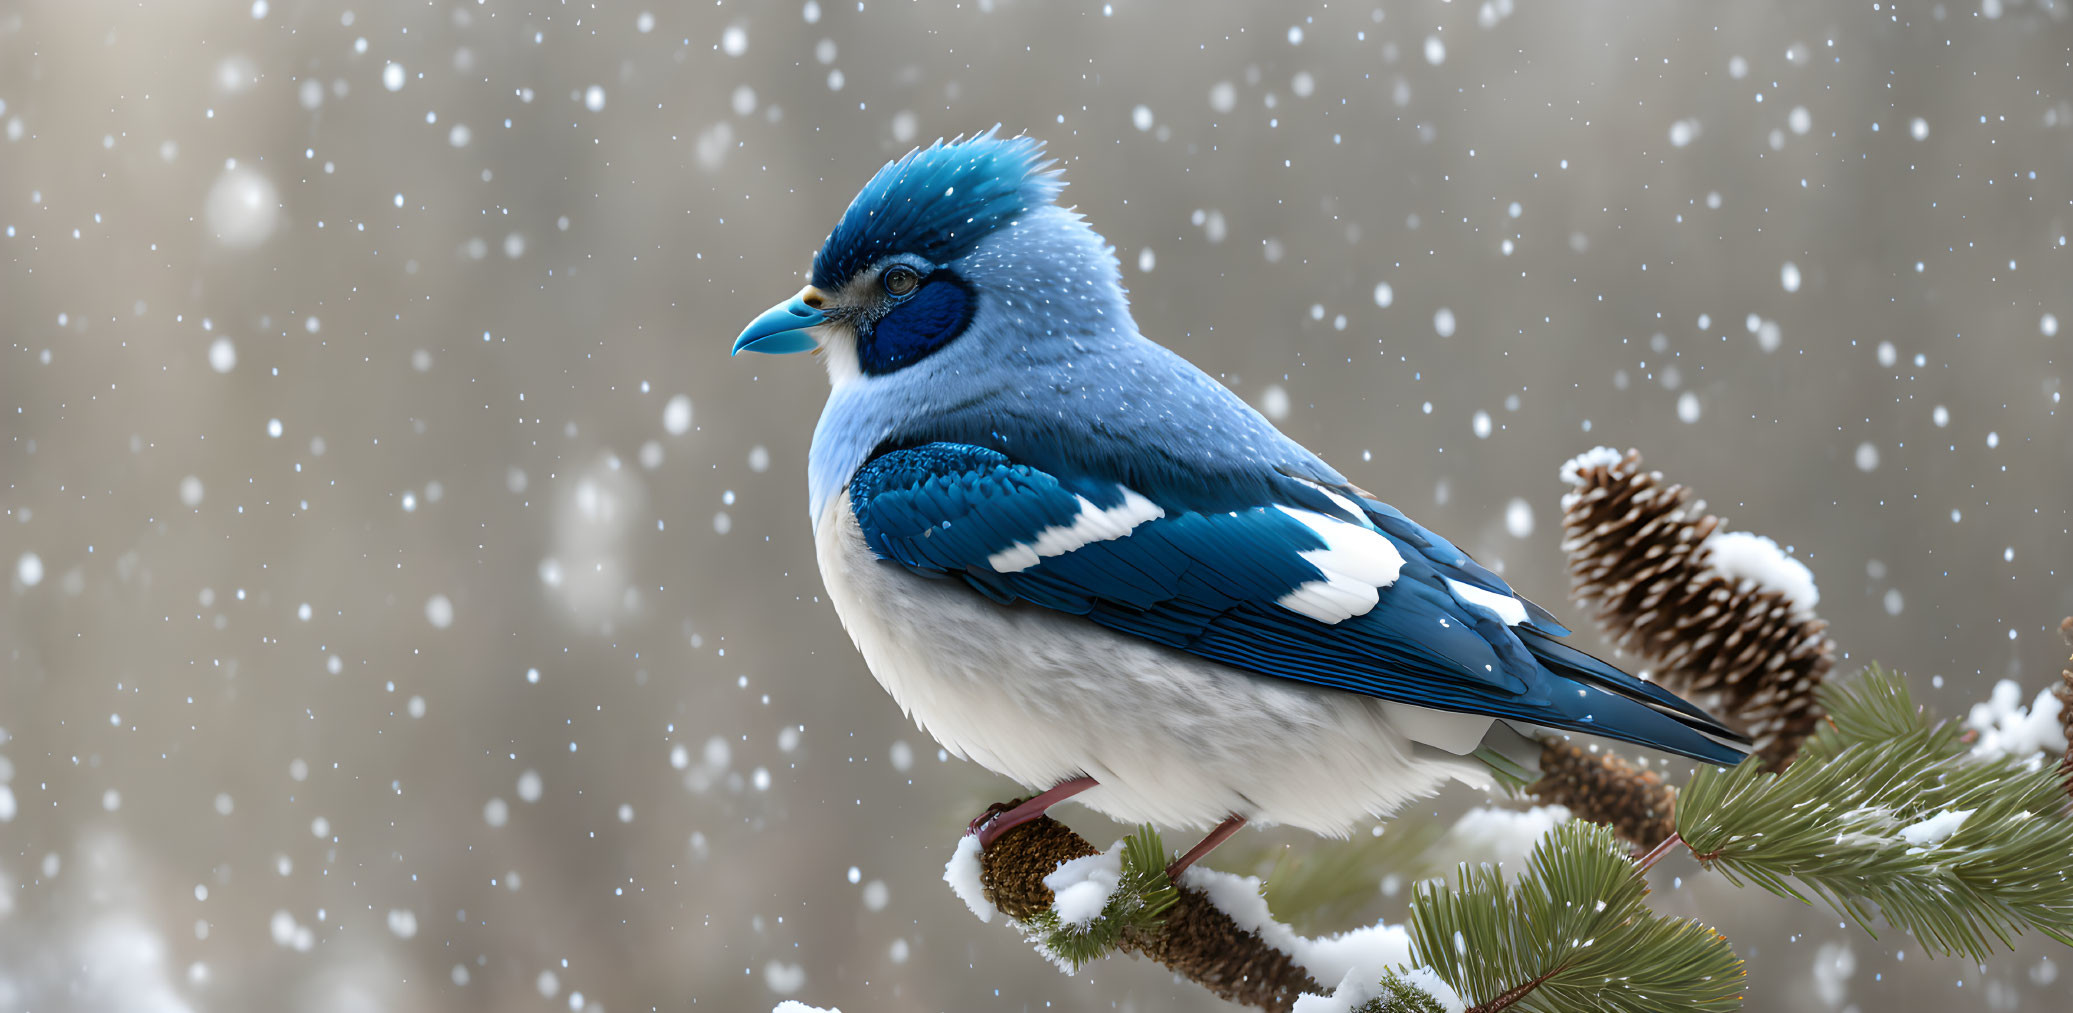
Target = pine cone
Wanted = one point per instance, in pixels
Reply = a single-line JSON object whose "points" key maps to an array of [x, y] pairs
{"points": [[1012, 871], [1603, 788], [1724, 616]]}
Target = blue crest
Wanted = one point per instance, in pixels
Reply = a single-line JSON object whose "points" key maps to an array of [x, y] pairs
{"points": [[937, 202]]}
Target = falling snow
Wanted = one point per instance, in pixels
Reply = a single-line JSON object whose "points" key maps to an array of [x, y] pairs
{"points": [[373, 567]]}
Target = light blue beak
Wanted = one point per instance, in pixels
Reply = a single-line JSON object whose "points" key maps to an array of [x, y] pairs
{"points": [[782, 328]]}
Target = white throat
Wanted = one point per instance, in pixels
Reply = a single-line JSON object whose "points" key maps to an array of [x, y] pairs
{"points": [[838, 349]]}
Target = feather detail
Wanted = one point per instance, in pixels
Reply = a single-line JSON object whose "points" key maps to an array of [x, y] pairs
{"points": [[1277, 590], [937, 202]]}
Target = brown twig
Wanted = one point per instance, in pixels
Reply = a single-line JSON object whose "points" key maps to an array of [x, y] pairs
{"points": [[1196, 940], [1512, 995], [1655, 854]]}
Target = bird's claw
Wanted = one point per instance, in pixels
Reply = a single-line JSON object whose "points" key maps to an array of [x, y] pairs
{"points": [[993, 812], [1001, 817]]}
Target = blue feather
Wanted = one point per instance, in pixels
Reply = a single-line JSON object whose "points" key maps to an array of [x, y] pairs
{"points": [[1208, 582], [923, 322], [1450, 561], [937, 202]]}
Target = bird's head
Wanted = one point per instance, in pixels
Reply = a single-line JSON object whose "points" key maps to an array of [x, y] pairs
{"points": [[958, 240]]}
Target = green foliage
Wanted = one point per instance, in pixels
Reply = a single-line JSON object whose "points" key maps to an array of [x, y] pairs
{"points": [[1400, 996], [1832, 826], [1874, 708], [1143, 896], [1572, 934], [1320, 886]]}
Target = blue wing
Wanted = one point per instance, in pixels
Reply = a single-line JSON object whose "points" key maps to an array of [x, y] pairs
{"points": [[1340, 591]]}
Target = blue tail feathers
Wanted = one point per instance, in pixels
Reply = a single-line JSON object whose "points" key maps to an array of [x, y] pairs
{"points": [[1634, 710]]}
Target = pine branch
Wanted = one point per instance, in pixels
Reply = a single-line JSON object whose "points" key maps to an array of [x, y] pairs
{"points": [[1400, 995], [1886, 813], [1188, 934], [1136, 907], [1573, 933]]}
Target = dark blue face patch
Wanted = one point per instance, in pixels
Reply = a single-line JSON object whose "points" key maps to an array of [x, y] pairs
{"points": [[935, 314]]}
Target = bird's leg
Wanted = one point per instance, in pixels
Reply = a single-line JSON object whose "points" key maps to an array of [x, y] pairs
{"points": [[992, 823], [1218, 836]]}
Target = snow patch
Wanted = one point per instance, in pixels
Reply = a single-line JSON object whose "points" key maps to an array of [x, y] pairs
{"points": [[1596, 457], [1875, 826], [1363, 953], [1501, 836], [2007, 728], [1744, 555], [1358, 960], [1356, 989], [1080, 888], [962, 873], [1935, 830], [795, 1006], [1427, 980]]}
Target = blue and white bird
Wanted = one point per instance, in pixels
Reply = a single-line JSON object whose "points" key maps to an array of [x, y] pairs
{"points": [[1079, 561]]}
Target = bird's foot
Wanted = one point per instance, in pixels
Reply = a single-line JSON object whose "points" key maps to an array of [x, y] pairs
{"points": [[1000, 818], [980, 821], [1218, 836]]}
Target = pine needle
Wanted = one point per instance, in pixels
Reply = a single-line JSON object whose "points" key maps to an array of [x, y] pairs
{"points": [[1142, 897], [1573, 933], [1848, 824]]}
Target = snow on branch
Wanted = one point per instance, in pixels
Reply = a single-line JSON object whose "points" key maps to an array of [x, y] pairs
{"points": [[1571, 930], [1144, 913], [1888, 814], [2004, 727], [1887, 811], [2041, 733]]}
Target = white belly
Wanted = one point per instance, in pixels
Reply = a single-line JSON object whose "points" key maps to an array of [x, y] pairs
{"points": [[1041, 696]]}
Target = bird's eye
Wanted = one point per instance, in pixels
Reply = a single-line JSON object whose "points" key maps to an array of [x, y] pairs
{"points": [[899, 280]]}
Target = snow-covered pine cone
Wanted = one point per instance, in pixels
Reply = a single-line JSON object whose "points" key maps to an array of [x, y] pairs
{"points": [[1724, 616]]}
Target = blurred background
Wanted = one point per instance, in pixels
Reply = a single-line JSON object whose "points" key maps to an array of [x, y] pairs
{"points": [[409, 606]]}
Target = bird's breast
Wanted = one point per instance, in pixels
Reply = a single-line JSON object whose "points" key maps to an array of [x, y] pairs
{"points": [[1042, 696]]}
